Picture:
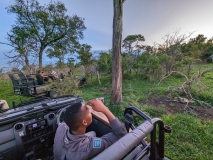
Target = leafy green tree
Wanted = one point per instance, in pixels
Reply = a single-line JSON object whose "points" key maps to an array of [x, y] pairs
{"points": [[141, 62], [133, 47], [104, 63], [197, 46], [57, 52], [71, 64], [187, 61], [199, 41], [48, 68], [60, 65], [208, 54], [85, 57], [124, 63], [208, 51], [153, 65], [46, 25], [133, 42]]}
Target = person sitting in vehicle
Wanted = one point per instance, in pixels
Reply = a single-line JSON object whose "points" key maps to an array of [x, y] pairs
{"points": [[70, 72], [3, 105], [44, 76], [71, 141], [61, 76]]}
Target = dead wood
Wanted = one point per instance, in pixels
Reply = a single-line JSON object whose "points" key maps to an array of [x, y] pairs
{"points": [[186, 86]]}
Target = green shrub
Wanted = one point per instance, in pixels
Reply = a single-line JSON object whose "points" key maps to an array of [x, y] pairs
{"points": [[68, 86]]}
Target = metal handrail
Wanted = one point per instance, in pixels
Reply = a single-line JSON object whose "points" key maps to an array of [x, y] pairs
{"points": [[156, 150]]}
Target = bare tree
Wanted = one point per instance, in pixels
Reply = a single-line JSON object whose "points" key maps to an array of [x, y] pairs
{"points": [[171, 47], [116, 94]]}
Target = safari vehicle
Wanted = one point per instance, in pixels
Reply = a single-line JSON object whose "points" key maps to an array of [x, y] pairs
{"points": [[27, 131], [34, 84], [30, 85]]}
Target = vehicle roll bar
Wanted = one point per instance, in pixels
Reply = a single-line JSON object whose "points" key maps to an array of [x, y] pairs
{"points": [[156, 147]]}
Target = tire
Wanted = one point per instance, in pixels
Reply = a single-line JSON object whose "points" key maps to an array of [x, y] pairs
{"points": [[53, 94]]}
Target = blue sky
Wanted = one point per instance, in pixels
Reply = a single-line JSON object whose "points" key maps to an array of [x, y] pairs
{"points": [[151, 18]]}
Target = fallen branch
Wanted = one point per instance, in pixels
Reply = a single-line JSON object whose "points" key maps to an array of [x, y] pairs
{"points": [[171, 74], [185, 87]]}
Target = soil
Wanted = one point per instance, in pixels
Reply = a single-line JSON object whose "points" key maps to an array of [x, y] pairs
{"points": [[173, 107]]}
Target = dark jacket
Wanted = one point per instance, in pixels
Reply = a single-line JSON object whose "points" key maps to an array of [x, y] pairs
{"points": [[80, 147]]}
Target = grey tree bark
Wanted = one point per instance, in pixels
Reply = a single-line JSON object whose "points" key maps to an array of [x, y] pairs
{"points": [[116, 94]]}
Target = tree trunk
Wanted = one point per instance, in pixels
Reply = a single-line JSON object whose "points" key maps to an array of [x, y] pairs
{"points": [[27, 64], [116, 95], [189, 69], [40, 58], [26, 60], [87, 75]]}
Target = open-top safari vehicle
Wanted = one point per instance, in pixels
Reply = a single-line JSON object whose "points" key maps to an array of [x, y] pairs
{"points": [[30, 85], [34, 84], [27, 131]]}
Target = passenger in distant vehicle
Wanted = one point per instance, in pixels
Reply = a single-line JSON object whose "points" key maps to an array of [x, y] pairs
{"points": [[72, 143], [43, 75], [61, 76], [70, 72], [3, 105]]}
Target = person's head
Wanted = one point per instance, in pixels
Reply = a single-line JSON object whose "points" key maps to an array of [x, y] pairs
{"points": [[77, 115], [40, 71]]}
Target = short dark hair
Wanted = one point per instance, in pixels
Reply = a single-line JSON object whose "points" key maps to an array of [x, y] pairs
{"points": [[73, 116]]}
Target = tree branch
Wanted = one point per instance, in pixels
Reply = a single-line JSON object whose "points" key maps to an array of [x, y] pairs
{"points": [[8, 44], [185, 87]]}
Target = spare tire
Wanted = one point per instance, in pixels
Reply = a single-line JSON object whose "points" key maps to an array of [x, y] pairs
{"points": [[53, 94]]}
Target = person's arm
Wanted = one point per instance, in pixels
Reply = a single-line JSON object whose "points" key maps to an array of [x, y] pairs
{"points": [[118, 129], [98, 106], [43, 75], [98, 144]]}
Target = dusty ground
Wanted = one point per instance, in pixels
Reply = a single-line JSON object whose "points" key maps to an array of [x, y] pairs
{"points": [[173, 107]]}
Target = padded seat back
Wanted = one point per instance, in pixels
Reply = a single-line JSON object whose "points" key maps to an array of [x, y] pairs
{"points": [[22, 76], [29, 77], [120, 148], [14, 79]]}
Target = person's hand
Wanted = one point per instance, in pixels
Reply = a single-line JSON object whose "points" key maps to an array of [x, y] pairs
{"points": [[97, 105]]}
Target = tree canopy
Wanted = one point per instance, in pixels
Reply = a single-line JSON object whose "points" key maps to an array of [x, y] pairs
{"points": [[132, 42], [45, 25]]}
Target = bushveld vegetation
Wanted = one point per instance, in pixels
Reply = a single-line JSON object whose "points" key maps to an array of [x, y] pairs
{"points": [[191, 136], [178, 68]]}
